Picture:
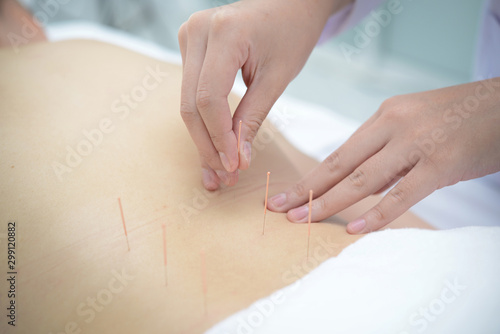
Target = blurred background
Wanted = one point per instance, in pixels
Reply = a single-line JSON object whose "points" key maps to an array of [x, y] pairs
{"points": [[429, 44]]}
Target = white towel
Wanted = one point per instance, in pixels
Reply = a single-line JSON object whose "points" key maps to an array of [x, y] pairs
{"points": [[393, 281]]}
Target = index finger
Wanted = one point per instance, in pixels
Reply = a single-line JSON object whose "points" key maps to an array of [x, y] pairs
{"points": [[362, 182], [356, 150], [216, 81], [193, 47]]}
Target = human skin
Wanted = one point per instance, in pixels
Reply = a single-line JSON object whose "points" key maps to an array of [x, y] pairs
{"points": [[420, 142], [270, 42], [75, 271]]}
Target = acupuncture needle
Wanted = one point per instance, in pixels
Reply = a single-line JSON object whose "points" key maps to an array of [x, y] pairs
{"points": [[265, 203], [239, 138], [309, 221], [123, 221]]}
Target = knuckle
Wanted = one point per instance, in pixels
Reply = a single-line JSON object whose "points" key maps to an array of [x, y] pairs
{"points": [[182, 35], [397, 195], [298, 190], [218, 138], [391, 110], [377, 214], [188, 113], [390, 103], [332, 163], [203, 98], [320, 205], [195, 23], [222, 19], [400, 109], [429, 164], [357, 179], [252, 124], [435, 172], [392, 115]]}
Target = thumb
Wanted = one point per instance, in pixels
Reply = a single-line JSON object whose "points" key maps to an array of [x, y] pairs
{"points": [[252, 111]]}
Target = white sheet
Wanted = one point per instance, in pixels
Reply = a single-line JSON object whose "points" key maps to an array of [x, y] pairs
{"points": [[394, 281]]}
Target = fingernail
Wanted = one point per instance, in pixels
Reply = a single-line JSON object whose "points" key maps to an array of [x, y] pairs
{"points": [[278, 200], [232, 177], [225, 161], [298, 214], [356, 226], [207, 178], [247, 152], [224, 176]]}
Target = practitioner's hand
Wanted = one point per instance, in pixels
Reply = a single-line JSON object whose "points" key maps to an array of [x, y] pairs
{"points": [[270, 42], [425, 141]]}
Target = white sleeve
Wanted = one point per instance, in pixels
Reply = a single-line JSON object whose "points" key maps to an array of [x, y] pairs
{"points": [[488, 53]]}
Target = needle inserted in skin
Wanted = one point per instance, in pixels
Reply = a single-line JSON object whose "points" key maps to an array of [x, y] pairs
{"points": [[123, 221], [309, 221], [265, 203], [239, 137], [164, 230]]}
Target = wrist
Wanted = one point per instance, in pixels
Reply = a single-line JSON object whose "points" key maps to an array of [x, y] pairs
{"points": [[321, 10], [312, 14]]}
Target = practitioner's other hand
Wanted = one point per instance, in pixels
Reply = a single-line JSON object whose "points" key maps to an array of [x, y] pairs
{"points": [[420, 142], [270, 42]]}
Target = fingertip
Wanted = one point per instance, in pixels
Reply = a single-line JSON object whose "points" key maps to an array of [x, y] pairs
{"points": [[298, 215], [277, 203], [210, 181], [230, 164], [225, 162], [223, 176], [357, 226], [229, 179], [233, 178], [211, 186], [245, 155]]}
